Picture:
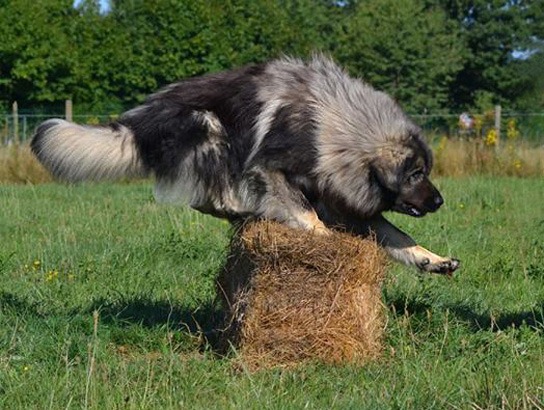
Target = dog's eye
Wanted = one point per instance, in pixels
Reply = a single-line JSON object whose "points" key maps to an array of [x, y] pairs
{"points": [[416, 176]]}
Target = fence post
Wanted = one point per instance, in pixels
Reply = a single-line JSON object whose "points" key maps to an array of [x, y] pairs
{"points": [[25, 128], [15, 113], [6, 131], [68, 110], [498, 123]]}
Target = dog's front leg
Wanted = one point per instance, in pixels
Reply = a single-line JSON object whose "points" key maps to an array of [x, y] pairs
{"points": [[402, 247]]}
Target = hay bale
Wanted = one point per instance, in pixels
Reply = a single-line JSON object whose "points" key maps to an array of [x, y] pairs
{"points": [[292, 296]]}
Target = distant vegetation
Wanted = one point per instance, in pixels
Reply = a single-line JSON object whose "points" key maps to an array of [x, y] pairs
{"points": [[432, 55]]}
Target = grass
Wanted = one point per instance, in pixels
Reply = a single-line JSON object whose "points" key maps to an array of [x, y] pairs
{"points": [[107, 298]]}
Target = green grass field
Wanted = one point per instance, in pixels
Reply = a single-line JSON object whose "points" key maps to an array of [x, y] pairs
{"points": [[106, 299]]}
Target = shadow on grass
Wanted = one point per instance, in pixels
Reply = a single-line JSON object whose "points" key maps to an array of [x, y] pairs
{"points": [[533, 318], [20, 305], [205, 321]]}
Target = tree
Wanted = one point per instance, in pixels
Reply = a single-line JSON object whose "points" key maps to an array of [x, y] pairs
{"points": [[496, 33], [36, 53], [406, 48], [164, 41], [429, 54], [258, 30]]}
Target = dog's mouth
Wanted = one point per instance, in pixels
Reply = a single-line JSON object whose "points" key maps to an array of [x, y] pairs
{"points": [[418, 209], [409, 209], [413, 211]]}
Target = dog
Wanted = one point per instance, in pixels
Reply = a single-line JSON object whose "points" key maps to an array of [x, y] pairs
{"points": [[299, 142]]}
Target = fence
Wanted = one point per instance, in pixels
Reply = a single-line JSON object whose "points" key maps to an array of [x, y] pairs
{"points": [[18, 127], [528, 127]]}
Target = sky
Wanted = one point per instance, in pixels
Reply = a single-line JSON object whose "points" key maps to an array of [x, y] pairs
{"points": [[104, 4]]}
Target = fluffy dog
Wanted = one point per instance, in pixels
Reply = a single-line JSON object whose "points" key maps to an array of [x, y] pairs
{"points": [[299, 142]]}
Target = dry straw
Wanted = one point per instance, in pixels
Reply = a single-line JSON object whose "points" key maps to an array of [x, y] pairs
{"points": [[18, 165], [461, 158], [293, 297]]}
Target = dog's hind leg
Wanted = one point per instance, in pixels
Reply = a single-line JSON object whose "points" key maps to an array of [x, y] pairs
{"points": [[271, 196]]}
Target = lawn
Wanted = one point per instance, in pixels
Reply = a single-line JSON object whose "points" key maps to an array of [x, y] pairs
{"points": [[107, 299]]}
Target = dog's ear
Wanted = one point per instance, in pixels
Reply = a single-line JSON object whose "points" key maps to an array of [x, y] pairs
{"points": [[386, 173]]}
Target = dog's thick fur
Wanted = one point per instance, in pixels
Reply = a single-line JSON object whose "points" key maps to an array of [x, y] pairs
{"points": [[298, 142]]}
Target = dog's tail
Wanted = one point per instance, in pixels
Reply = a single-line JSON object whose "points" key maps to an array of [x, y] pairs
{"points": [[74, 152]]}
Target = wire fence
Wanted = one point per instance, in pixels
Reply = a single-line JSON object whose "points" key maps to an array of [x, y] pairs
{"points": [[527, 127], [19, 128]]}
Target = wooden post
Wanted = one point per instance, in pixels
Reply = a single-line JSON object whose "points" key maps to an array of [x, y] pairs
{"points": [[25, 129], [15, 112], [498, 123], [6, 131], [68, 110]]}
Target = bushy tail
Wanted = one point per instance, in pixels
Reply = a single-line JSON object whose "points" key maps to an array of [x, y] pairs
{"points": [[77, 153]]}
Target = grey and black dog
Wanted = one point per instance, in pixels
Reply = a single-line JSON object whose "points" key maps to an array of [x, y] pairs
{"points": [[298, 142]]}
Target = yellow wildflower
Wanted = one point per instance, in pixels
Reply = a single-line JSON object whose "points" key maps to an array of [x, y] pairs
{"points": [[93, 120], [441, 145], [512, 133], [491, 138], [52, 275]]}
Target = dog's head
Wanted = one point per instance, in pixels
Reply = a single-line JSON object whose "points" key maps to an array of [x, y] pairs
{"points": [[402, 170]]}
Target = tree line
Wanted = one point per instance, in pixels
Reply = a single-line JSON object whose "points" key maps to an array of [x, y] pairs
{"points": [[431, 55]]}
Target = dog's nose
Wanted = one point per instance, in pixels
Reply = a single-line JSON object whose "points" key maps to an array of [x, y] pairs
{"points": [[438, 201]]}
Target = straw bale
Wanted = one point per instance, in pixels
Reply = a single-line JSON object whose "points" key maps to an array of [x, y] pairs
{"points": [[293, 296]]}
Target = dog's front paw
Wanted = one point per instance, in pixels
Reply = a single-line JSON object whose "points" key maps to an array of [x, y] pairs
{"points": [[444, 266]]}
